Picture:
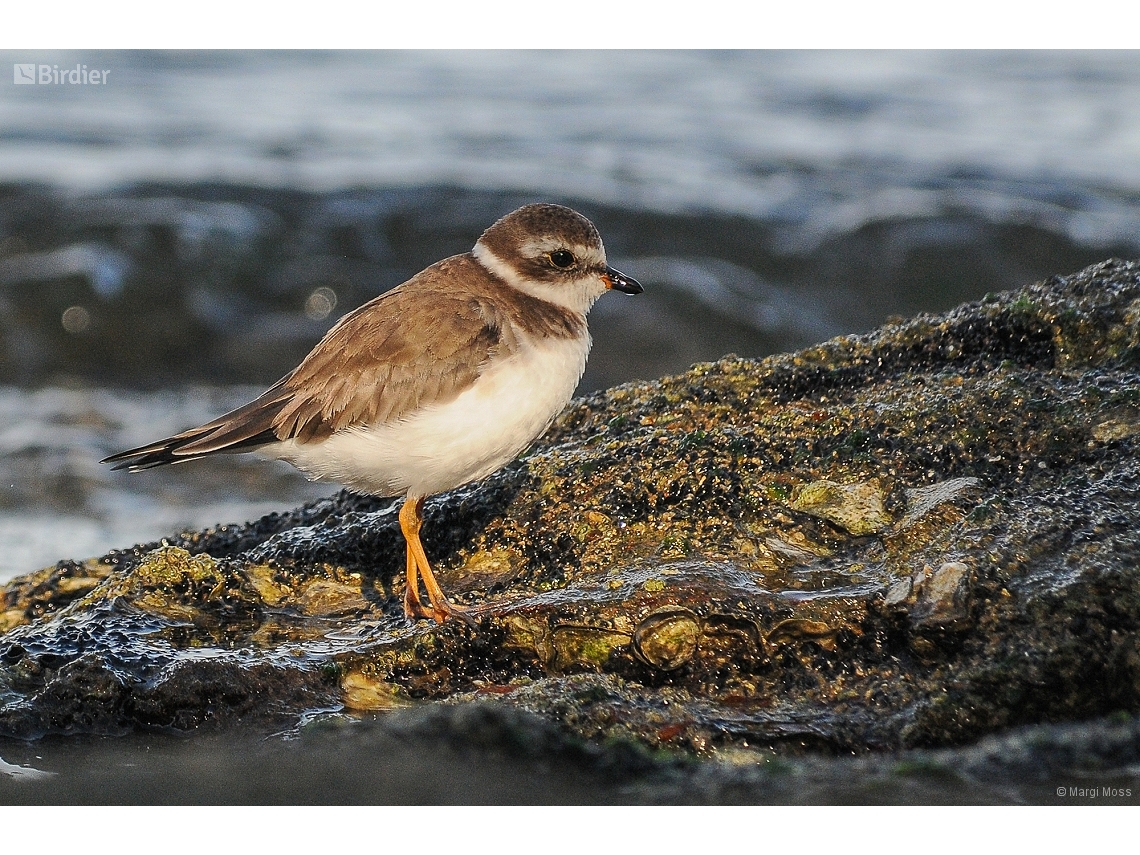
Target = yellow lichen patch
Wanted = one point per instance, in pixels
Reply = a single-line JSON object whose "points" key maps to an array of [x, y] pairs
{"points": [[528, 635], [945, 581], [165, 576], [46, 591], [12, 618], [593, 525], [169, 565], [676, 544], [654, 585], [485, 567], [329, 597], [76, 584], [667, 638], [596, 519], [796, 629], [858, 508], [365, 693], [156, 603], [585, 645], [1119, 425], [260, 576]]}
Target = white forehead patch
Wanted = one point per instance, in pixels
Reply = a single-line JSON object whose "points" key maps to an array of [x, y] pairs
{"points": [[539, 246]]}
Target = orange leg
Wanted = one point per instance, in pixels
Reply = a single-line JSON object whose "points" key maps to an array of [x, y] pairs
{"points": [[411, 520], [413, 606]]}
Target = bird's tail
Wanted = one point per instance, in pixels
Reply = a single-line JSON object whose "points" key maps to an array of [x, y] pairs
{"points": [[243, 429]]}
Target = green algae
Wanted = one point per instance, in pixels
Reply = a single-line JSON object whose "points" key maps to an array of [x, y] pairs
{"points": [[858, 508]]}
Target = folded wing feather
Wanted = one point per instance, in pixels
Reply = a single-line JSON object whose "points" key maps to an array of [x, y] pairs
{"points": [[414, 346]]}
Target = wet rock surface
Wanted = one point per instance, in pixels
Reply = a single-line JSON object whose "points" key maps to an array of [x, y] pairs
{"points": [[900, 542]]}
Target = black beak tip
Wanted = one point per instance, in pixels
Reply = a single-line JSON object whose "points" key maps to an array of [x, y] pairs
{"points": [[620, 282]]}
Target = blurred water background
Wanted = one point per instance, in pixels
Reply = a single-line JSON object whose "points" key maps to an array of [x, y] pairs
{"points": [[179, 236]]}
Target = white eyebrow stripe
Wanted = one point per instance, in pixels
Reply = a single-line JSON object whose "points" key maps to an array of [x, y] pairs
{"points": [[577, 293], [534, 247]]}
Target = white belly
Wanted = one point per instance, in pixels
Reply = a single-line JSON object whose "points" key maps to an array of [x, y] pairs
{"points": [[443, 446]]}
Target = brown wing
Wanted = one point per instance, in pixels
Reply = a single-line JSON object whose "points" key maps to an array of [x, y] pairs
{"points": [[415, 345], [396, 354]]}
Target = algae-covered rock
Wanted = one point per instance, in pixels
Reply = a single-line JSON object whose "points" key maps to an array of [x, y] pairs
{"points": [[910, 538], [858, 508]]}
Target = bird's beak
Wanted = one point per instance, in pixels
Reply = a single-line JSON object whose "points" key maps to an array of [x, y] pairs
{"points": [[620, 282]]}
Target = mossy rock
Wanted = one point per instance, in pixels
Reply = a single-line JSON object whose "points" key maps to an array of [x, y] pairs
{"points": [[909, 538]]}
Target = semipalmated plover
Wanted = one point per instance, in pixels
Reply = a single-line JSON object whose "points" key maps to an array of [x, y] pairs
{"points": [[434, 384]]}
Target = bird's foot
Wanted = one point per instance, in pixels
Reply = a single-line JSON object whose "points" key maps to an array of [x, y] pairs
{"points": [[414, 608], [448, 609], [439, 611]]}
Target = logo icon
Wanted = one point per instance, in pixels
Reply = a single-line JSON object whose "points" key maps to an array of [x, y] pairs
{"points": [[24, 72]]}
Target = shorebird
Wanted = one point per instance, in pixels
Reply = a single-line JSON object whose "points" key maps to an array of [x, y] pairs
{"points": [[433, 384]]}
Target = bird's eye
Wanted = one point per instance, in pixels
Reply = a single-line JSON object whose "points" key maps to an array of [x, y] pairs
{"points": [[561, 258]]}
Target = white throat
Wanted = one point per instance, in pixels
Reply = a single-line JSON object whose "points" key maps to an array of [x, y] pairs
{"points": [[578, 295]]}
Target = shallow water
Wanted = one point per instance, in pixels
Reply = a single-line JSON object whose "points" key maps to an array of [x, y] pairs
{"points": [[178, 228], [60, 502]]}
